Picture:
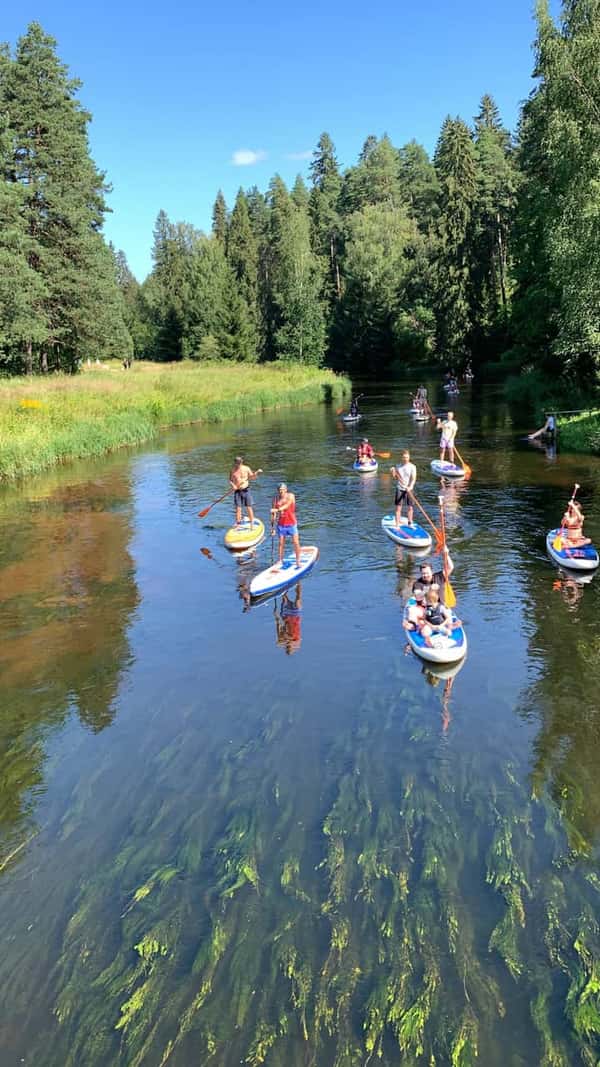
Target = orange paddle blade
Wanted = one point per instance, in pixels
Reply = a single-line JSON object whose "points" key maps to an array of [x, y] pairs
{"points": [[339, 411], [201, 514], [383, 455]]}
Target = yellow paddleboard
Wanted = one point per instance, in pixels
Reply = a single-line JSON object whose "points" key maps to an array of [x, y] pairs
{"points": [[244, 535]]}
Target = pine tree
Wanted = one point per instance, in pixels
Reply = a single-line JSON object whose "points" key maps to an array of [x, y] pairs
{"points": [[419, 185], [220, 219], [62, 210], [376, 179], [456, 167]]}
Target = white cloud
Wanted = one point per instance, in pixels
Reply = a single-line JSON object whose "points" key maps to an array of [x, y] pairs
{"points": [[245, 157], [299, 155]]}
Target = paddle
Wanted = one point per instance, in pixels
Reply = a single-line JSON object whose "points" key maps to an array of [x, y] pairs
{"points": [[438, 536], [557, 543], [467, 469], [382, 455], [205, 511], [449, 596]]}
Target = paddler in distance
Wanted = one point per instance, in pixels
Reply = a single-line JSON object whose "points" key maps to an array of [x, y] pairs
{"points": [[283, 513], [406, 477], [449, 430], [239, 480]]}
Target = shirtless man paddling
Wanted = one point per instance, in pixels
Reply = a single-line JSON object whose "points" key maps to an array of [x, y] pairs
{"points": [[406, 476], [239, 480]]}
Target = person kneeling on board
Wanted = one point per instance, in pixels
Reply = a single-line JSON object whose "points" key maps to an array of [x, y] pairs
{"points": [[283, 513], [406, 477], [365, 452], [239, 480]]}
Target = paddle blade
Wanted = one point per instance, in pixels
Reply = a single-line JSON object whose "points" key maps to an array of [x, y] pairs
{"points": [[468, 471], [557, 543], [339, 411], [383, 455], [206, 552], [449, 598], [205, 511]]}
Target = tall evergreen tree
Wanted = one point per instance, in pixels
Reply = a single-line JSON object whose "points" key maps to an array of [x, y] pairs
{"points": [[62, 211], [242, 256], [419, 185], [456, 167], [376, 178], [324, 214], [557, 313], [220, 219]]}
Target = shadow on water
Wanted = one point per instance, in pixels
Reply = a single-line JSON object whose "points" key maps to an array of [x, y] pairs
{"points": [[296, 844]]}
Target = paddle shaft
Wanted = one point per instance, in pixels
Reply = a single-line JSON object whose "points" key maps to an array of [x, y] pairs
{"points": [[560, 535], [449, 597], [205, 511], [422, 510]]}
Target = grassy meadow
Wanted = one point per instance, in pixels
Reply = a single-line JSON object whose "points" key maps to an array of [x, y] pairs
{"points": [[45, 421]]}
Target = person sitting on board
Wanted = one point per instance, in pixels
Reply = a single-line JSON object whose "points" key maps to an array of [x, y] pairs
{"points": [[438, 618], [239, 480], [429, 578], [406, 476], [572, 526], [449, 430], [365, 453], [415, 611], [547, 430], [354, 407], [284, 512]]}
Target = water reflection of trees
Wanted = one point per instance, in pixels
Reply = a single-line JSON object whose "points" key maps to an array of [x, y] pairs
{"points": [[66, 596]]}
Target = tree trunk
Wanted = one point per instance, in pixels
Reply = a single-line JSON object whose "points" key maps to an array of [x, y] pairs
{"points": [[44, 361], [501, 264], [29, 358]]}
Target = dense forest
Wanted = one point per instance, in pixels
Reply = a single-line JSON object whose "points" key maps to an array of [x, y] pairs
{"points": [[488, 251]]}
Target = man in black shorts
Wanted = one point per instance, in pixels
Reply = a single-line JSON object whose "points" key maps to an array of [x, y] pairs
{"points": [[405, 476], [239, 480]]}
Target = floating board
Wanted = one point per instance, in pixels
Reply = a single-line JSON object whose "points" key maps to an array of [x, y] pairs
{"points": [[285, 573], [447, 470], [420, 417], [409, 536], [365, 468], [443, 649], [245, 535], [575, 559], [351, 418]]}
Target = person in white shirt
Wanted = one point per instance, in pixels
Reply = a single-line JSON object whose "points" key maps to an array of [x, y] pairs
{"points": [[449, 430], [405, 476]]}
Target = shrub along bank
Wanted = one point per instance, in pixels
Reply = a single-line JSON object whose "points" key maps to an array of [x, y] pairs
{"points": [[581, 433], [50, 420]]}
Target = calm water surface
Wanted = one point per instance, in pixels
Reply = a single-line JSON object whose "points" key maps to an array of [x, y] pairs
{"points": [[227, 836]]}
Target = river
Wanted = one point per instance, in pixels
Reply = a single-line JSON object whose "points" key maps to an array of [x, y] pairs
{"points": [[234, 835]]}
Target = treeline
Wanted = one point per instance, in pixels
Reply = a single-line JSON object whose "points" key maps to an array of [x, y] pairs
{"points": [[487, 251]]}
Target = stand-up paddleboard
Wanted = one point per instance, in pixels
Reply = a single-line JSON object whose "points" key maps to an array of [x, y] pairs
{"points": [[420, 416], [410, 536], [366, 467], [245, 535], [443, 649], [280, 575], [351, 418], [446, 469], [575, 559]]}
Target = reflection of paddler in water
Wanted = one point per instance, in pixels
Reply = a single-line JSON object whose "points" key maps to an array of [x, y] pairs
{"points": [[288, 621], [446, 674]]}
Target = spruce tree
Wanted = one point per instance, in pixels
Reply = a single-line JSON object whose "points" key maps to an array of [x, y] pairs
{"points": [[242, 256], [324, 214], [456, 167], [220, 219]]}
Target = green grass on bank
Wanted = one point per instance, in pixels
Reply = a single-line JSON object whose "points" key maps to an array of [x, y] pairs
{"points": [[47, 421], [580, 433]]}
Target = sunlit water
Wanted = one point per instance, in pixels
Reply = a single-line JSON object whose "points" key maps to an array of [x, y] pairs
{"points": [[230, 838]]}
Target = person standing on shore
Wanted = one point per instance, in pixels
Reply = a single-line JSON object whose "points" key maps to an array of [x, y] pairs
{"points": [[406, 477], [283, 513], [239, 480]]}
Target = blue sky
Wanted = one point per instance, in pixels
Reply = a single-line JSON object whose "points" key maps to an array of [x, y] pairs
{"points": [[177, 89]]}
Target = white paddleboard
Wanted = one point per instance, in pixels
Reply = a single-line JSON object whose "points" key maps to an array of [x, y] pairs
{"points": [[365, 468], [575, 559], [443, 649], [446, 469], [351, 418], [409, 536], [285, 573]]}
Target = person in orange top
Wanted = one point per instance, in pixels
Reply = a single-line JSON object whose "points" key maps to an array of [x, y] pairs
{"points": [[365, 452], [283, 513]]}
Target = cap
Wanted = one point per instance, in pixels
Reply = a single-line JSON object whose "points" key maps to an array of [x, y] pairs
{"points": [[282, 485], [365, 440], [419, 593], [239, 459]]}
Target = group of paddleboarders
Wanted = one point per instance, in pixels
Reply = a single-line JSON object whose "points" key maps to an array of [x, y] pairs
{"points": [[283, 510]]}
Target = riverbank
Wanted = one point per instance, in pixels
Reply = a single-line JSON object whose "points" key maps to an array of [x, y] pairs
{"points": [[48, 421], [581, 433]]}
